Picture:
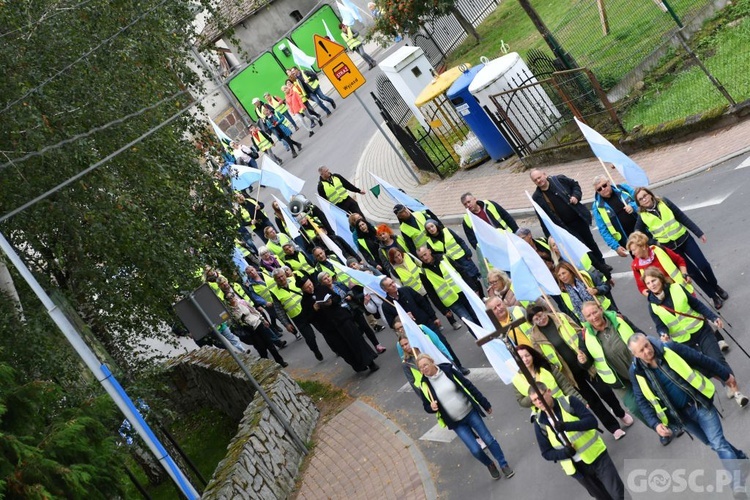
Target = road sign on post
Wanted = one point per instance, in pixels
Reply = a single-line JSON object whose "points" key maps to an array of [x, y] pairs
{"points": [[332, 58]]}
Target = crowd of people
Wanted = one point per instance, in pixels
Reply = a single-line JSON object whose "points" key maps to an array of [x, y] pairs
{"points": [[588, 362]]}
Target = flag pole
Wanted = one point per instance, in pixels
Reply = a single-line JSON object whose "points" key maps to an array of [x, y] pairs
{"points": [[578, 273], [257, 198], [606, 171]]}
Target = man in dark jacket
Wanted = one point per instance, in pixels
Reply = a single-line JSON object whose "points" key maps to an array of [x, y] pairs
{"points": [[413, 303], [334, 188], [489, 211], [560, 197], [673, 394]]}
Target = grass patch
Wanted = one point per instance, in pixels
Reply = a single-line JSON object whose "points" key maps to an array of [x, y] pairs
{"points": [[204, 436], [679, 88], [328, 399]]}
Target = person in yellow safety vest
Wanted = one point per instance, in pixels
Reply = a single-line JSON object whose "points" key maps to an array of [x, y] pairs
{"points": [[645, 256], [540, 245], [505, 315], [305, 85], [281, 107], [297, 107], [259, 285], [460, 406], [256, 217], [683, 318], [367, 243], [297, 260], [323, 264], [411, 225], [673, 390], [311, 78], [575, 291], [387, 239], [615, 213], [542, 371], [581, 453], [212, 278], [558, 338], [446, 241], [442, 290], [275, 241], [407, 270], [671, 228], [335, 188], [489, 211], [354, 43], [264, 143], [605, 336], [287, 301]]}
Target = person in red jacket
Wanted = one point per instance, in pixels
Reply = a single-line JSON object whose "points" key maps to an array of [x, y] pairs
{"points": [[667, 261]]}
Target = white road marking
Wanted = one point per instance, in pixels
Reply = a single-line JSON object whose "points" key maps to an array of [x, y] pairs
{"points": [[745, 163], [439, 434], [624, 274], [708, 203]]}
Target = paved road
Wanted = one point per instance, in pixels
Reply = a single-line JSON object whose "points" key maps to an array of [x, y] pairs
{"points": [[716, 201]]}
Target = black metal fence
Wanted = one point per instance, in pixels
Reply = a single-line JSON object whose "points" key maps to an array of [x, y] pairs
{"points": [[443, 34]]}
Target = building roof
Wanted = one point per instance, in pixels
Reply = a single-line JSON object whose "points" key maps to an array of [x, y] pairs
{"points": [[230, 14]]}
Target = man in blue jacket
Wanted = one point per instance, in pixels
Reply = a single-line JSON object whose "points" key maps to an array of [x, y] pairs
{"points": [[615, 213], [673, 394]]}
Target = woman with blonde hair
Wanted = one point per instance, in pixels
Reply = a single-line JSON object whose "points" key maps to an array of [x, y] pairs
{"points": [[500, 287]]}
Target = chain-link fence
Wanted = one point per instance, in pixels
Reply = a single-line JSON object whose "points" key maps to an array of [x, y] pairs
{"points": [[641, 63]]}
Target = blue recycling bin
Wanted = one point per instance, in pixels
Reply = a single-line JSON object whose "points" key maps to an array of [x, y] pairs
{"points": [[476, 118]]}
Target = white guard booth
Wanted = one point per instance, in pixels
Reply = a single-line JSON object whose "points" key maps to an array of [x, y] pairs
{"points": [[410, 72], [531, 112]]}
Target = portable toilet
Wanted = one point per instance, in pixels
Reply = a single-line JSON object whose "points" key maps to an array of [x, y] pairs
{"points": [[410, 71], [474, 115], [530, 112], [447, 125]]}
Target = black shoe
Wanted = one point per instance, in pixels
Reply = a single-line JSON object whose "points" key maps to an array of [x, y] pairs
{"points": [[373, 367], [508, 472], [294, 155], [280, 344], [299, 146], [464, 371], [494, 471], [320, 122], [319, 356], [665, 440], [311, 134], [722, 293], [284, 364], [333, 104], [718, 303], [328, 114], [378, 328]]}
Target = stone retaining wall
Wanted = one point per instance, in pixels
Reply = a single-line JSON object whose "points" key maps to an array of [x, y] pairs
{"points": [[262, 460]]}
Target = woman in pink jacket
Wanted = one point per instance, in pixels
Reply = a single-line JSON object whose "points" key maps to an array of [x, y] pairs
{"points": [[296, 106]]}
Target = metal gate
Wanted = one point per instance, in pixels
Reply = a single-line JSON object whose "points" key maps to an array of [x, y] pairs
{"points": [[431, 49], [422, 147], [392, 101]]}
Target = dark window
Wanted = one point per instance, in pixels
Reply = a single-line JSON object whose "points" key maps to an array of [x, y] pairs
{"points": [[295, 14]]}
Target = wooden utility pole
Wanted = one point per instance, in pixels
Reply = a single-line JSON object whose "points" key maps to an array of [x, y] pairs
{"points": [[562, 55], [603, 16]]}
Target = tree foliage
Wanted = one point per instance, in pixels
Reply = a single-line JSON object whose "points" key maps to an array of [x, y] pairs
{"points": [[407, 17], [49, 449], [123, 240]]}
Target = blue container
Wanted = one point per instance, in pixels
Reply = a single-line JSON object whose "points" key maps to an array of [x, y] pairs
{"points": [[476, 118]]}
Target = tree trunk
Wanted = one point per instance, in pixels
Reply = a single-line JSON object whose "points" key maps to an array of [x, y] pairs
{"points": [[465, 24], [9, 288]]}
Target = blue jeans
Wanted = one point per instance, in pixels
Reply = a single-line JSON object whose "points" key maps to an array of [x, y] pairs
{"points": [[315, 98], [705, 425], [474, 421], [319, 93], [698, 267], [461, 309]]}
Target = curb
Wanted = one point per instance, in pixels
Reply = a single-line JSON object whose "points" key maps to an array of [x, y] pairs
{"points": [[419, 460], [529, 211]]}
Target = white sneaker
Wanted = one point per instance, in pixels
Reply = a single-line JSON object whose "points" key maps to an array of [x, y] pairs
{"points": [[730, 392], [457, 325], [741, 399], [723, 346]]}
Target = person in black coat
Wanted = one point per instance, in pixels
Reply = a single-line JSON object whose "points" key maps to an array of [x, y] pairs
{"points": [[412, 302], [339, 329], [560, 197]]}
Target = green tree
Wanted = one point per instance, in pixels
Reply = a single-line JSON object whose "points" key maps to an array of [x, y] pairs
{"points": [[121, 242], [50, 449], [408, 16]]}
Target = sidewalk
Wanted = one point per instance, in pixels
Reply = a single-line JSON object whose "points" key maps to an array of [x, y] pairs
{"points": [[360, 453], [499, 181]]}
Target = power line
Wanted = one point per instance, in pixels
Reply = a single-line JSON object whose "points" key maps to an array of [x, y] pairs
{"points": [[97, 164], [84, 56], [45, 18], [91, 131]]}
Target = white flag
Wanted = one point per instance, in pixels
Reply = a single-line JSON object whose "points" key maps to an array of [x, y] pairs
{"points": [[417, 337], [300, 58], [291, 223], [277, 177]]}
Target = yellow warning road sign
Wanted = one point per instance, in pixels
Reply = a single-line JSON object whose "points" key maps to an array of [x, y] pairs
{"points": [[343, 74], [326, 50]]}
